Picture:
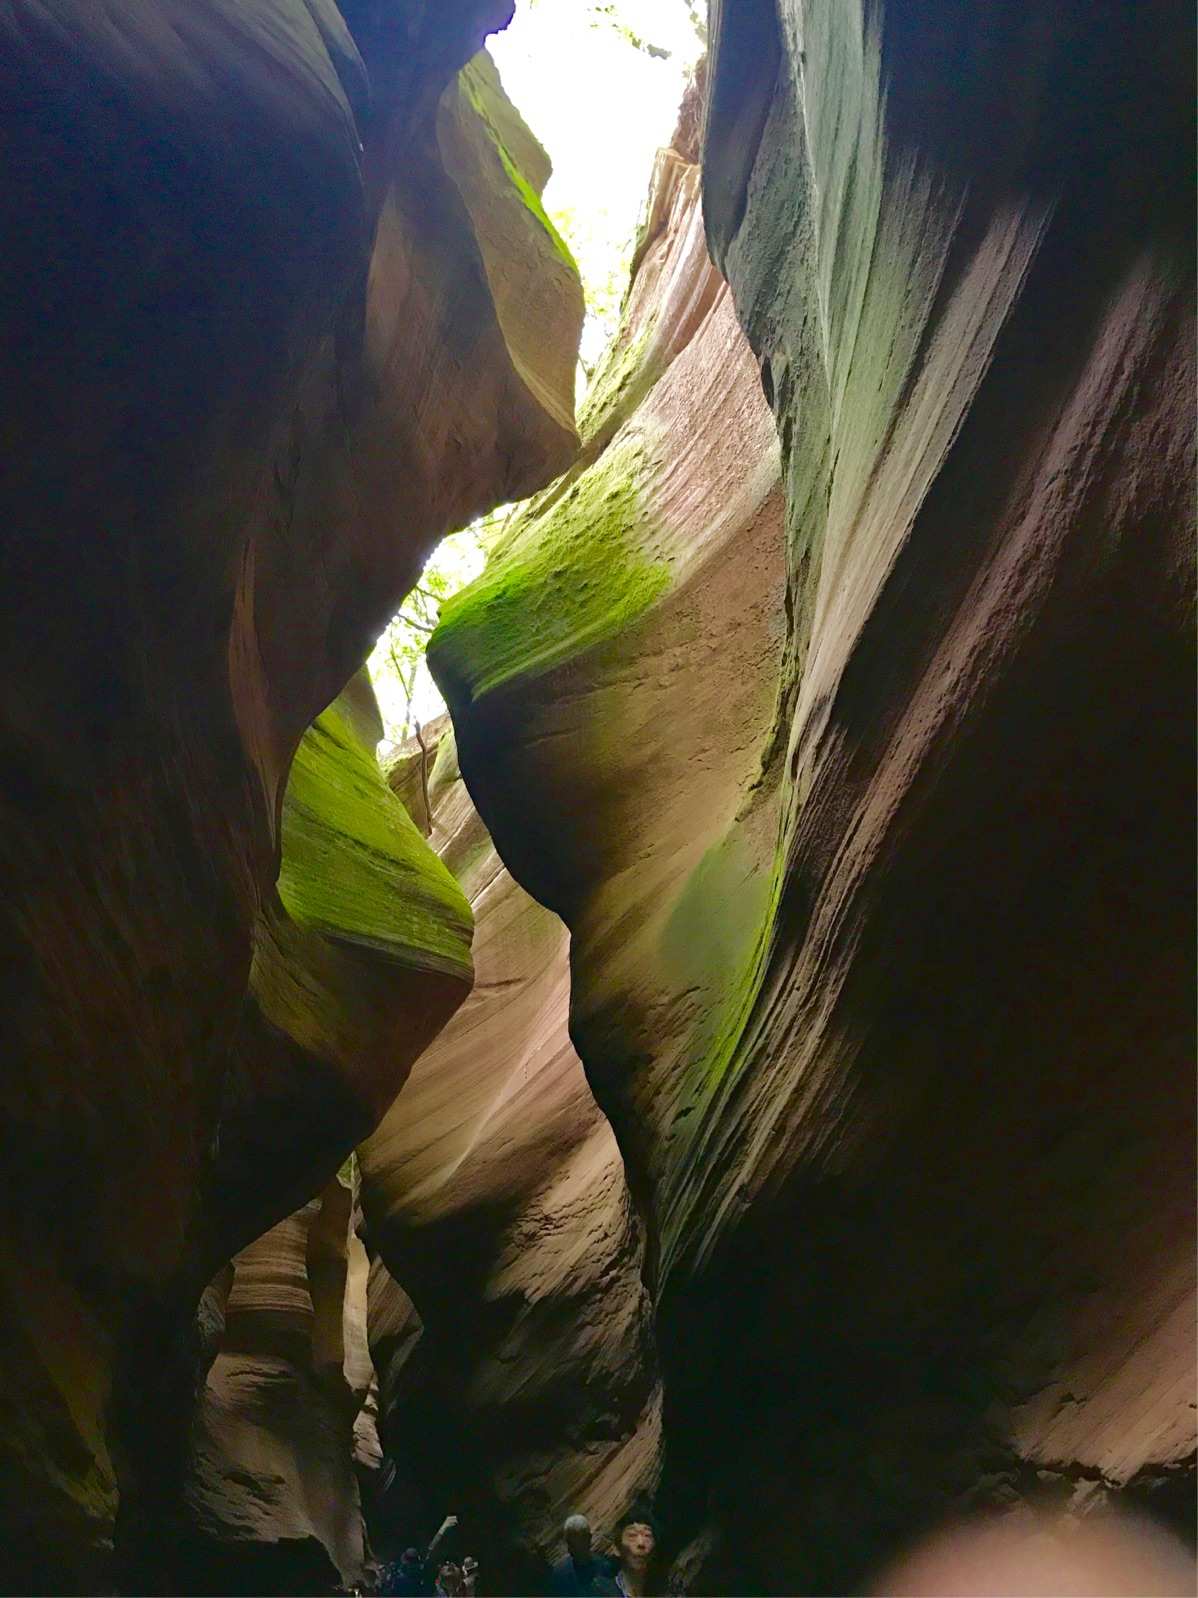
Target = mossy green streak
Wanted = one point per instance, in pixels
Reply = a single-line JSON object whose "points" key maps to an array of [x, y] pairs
{"points": [[479, 92], [355, 867], [558, 584]]}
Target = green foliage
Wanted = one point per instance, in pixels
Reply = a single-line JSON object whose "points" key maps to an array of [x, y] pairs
{"points": [[604, 275], [406, 693], [607, 13], [610, 384], [617, 14], [601, 247]]}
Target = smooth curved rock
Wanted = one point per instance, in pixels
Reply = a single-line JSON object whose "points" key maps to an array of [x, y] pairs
{"points": [[882, 956], [271, 1498], [633, 708], [494, 1192], [260, 353], [359, 960]]}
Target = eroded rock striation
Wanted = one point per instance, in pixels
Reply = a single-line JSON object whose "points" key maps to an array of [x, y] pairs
{"points": [[877, 887], [271, 1495], [493, 1190], [280, 307], [827, 725]]}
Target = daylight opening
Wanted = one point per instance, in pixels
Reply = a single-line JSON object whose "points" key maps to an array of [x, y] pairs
{"points": [[599, 83]]}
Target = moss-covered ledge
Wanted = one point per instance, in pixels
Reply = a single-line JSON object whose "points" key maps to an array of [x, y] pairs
{"points": [[355, 866], [358, 962]]}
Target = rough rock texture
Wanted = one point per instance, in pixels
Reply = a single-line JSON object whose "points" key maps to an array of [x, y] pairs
{"points": [[271, 1496], [882, 956], [279, 307], [494, 1192]]}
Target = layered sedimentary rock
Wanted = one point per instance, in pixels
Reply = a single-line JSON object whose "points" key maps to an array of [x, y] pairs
{"points": [[880, 946], [640, 597], [494, 1192], [271, 1497], [279, 308]]}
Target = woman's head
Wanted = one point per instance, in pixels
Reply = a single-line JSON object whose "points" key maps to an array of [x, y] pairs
{"points": [[449, 1579]]}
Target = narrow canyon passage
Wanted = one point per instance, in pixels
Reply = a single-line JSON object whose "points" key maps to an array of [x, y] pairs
{"points": [[721, 1060]]}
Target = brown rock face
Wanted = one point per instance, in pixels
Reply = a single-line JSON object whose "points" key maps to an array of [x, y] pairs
{"points": [[880, 935], [635, 708], [494, 1192], [260, 349], [271, 1497]]}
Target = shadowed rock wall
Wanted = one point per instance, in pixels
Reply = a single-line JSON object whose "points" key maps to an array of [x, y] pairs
{"points": [[494, 1191], [851, 743], [880, 930], [279, 309], [271, 1498]]}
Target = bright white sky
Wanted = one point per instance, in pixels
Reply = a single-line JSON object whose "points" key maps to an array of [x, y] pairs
{"points": [[602, 108]]}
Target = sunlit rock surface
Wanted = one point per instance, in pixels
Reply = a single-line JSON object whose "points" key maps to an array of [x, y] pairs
{"points": [[279, 309], [494, 1192], [878, 892]]}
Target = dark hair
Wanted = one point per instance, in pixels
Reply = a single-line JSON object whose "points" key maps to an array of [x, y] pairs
{"points": [[639, 1515]]}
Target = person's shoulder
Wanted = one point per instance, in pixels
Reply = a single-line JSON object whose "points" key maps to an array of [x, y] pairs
{"points": [[561, 1578]]}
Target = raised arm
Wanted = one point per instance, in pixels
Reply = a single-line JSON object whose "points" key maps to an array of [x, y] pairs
{"points": [[446, 1526]]}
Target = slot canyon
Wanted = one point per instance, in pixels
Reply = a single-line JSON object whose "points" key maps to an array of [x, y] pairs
{"points": [[740, 1057]]}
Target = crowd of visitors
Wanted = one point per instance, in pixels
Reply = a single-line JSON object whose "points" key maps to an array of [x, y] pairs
{"points": [[417, 1575], [622, 1567]]}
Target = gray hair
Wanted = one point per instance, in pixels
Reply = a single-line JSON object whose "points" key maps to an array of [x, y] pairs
{"points": [[576, 1523]]}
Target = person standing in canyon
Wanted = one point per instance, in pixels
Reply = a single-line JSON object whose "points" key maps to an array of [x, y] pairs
{"points": [[578, 1571], [636, 1543]]}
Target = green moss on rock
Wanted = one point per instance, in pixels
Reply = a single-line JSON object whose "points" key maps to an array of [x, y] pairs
{"points": [[479, 82], [716, 940], [355, 866], [620, 384], [558, 584]]}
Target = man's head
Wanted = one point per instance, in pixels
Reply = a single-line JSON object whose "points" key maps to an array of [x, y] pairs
{"points": [[637, 1540], [577, 1531]]}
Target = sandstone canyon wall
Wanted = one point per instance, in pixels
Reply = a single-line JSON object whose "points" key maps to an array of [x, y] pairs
{"points": [[515, 1365], [817, 1141], [494, 1192], [878, 872], [271, 1496], [509, 1320], [280, 307]]}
